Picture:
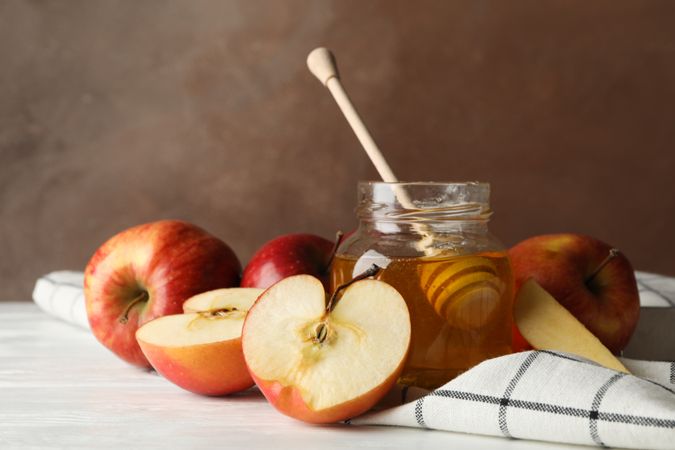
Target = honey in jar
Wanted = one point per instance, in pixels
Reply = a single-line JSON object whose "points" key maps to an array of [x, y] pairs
{"points": [[454, 276]]}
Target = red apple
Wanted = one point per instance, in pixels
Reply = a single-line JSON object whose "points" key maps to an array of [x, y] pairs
{"points": [[291, 254], [593, 281], [148, 271]]}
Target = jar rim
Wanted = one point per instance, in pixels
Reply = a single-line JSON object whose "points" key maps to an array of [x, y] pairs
{"points": [[424, 201], [478, 184]]}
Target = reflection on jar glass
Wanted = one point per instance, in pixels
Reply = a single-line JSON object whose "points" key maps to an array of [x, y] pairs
{"points": [[453, 274]]}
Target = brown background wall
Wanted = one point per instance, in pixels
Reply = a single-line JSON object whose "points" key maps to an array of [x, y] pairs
{"points": [[114, 113]]}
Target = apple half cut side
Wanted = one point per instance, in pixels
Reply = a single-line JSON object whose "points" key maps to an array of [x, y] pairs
{"points": [[321, 361], [201, 351], [547, 325], [221, 298]]}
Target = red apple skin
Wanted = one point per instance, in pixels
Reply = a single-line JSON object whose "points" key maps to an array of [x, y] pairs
{"points": [[170, 260], [608, 305], [291, 254], [217, 368], [288, 400]]}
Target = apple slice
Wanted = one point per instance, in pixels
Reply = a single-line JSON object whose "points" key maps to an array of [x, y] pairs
{"points": [[320, 363], [464, 291], [201, 351], [547, 325], [221, 298]]}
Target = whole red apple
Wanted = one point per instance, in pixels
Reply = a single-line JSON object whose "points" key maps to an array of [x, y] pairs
{"points": [[594, 281], [148, 271], [291, 254]]}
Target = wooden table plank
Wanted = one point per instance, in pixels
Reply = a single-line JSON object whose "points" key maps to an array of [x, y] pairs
{"points": [[59, 388]]}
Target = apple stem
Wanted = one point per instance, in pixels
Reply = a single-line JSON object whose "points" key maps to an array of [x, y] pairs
{"points": [[613, 253], [321, 331], [371, 271], [338, 240], [143, 296]]}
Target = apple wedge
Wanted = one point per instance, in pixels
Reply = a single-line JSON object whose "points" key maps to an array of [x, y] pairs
{"points": [[221, 298], [547, 325], [201, 351], [321, 361]]}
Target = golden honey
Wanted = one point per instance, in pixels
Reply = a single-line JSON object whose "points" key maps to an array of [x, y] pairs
{"points": [[460, 309]]}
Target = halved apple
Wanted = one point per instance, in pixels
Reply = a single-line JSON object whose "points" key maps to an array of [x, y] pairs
{"points": [[320, 363], [547, 325], [465, 291], [201, 351]]}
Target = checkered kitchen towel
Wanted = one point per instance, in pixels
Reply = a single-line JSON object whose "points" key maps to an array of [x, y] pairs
{"points": [[538, 395], [545, 396]]}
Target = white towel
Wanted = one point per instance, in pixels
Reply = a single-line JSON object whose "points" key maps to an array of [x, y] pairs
{"points": [[61, 294]]}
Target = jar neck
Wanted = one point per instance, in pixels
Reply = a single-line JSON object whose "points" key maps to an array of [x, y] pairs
{"points": [[376, 226]]}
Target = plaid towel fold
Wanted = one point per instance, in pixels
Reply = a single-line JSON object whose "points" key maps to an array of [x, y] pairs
{"points": [[656, 291], [538, 395], [545, 396]]}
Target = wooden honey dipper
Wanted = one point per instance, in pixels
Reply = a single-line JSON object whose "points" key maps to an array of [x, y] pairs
{"points": [[322, 64]]}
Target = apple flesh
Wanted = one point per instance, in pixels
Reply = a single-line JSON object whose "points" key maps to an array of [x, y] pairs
{"points": [[319, 363], [288, 255], [592, 281], [201, 351], [148, 271], [547, 325]]}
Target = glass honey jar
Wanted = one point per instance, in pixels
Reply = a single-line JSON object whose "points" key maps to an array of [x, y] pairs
{"points": [[433, 243]]}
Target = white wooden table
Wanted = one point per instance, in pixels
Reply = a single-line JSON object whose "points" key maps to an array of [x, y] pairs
{"points": [[59, 388]]}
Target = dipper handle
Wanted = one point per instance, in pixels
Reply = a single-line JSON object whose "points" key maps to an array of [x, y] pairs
{"points": [[322, 64]]}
